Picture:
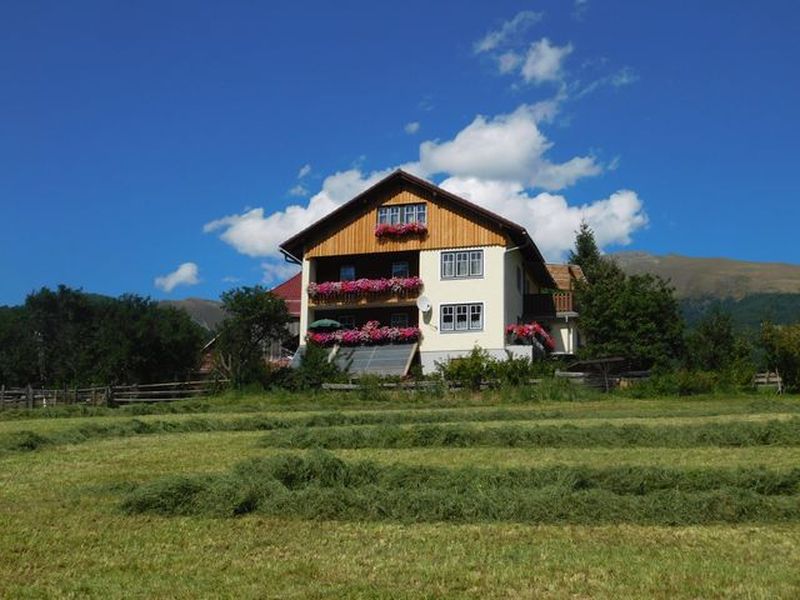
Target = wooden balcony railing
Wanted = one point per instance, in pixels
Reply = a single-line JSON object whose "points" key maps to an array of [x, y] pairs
{"points": [[543, 305], [395, 290]]}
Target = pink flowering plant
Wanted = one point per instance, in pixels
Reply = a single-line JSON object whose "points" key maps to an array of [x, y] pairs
{"points": [[372, 334], [364, 287], [385, 230], [526, 333]]}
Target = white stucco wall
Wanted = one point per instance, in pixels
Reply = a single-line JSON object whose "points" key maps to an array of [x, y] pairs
{"points": [[309, 274], [488, 290]]}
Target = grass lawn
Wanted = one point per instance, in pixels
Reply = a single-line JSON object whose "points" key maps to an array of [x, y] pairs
{"points": [[63, 532]]}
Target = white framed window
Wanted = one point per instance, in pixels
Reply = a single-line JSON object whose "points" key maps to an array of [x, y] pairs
{"points": [[462, 264], [347, 273], [447, 319], [347, 321], [403, 213], [399, 320], [448, 265], [461, 317], [400, 268]]}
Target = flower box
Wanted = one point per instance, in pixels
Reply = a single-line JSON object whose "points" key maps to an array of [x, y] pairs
{"points": [[527, 333], [372, 334], [363, 288], [385, 230]]}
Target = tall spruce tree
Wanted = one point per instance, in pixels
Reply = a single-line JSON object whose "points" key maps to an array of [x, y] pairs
{"points": [[636, 316]]}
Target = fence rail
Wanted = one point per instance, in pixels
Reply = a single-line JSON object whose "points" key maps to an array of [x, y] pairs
{"points": [[30, 397]]}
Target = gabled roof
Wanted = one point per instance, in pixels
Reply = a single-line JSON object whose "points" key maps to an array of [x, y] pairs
{"points": [[290, 290], [565, 276], [294, 246]]}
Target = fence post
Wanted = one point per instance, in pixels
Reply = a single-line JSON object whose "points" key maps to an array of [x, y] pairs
{"points": [[109, 396], [29, 396], [2, 396]]}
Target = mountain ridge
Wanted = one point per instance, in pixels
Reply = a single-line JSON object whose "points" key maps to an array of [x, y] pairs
{"points": [[716, 277]]}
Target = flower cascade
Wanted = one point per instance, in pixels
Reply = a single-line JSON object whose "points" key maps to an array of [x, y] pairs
{"points": [[400, 230], [372, 334], [528, 332], [364, 287]]}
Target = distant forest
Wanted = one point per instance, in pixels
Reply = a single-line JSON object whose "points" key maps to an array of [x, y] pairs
{"points": [[749, 312], [66, 337]]}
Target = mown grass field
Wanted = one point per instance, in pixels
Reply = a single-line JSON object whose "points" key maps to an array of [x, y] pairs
{"points": [[410, 497]]}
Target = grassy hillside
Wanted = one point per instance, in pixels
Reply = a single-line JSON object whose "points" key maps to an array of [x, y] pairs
{"points": [[462, 497], [751, 292], [714, 277], [206, 313]]}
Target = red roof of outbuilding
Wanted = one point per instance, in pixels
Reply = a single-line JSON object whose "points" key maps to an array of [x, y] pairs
{"points": [[290, 291]]}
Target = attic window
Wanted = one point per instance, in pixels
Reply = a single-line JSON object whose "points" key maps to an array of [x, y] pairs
{"points": [[402, 214]]}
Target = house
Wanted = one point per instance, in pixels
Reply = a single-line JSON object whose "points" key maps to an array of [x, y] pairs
{"points": [[442, 273], [290, 292]]}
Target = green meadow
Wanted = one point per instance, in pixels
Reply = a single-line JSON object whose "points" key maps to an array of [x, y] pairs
{"points": [[402, 496]]}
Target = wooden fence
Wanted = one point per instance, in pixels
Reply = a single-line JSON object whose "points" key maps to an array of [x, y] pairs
{"points": [[30, 397], [768, 380]]}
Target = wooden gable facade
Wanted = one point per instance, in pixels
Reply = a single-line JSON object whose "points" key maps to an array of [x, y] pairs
{"points": [[452, 222], [448, 227]]}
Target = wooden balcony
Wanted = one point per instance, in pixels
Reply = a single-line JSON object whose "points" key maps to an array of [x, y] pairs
{"points": [[549, 305], [372, 300]]}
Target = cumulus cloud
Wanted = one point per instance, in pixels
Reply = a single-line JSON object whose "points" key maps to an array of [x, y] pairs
{"points": [[507, 31], [304, 170], [544, 62], [411, 128], [185, 274], [550, 219], [256, 234], [497, 162], [508, 147]]}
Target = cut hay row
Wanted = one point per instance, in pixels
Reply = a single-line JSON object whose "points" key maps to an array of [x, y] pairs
{"points": [[730, 434], [321, 486], [410, 430]]}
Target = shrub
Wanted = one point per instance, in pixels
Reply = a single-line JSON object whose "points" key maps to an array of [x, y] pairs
{"points": [[782, 344], [683, 382], [314, 370], [470, 371]]}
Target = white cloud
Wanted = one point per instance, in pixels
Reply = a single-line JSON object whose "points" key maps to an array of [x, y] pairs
{"points": [[411, 128], [549, 219], [508, 62], [579, 9], [275, 273], [623, 77], [507, 147], [231, 279], [304, 170], [254, 234], [298, 190], [496, 162], [185, 274], [497, 37], [544, 62]]}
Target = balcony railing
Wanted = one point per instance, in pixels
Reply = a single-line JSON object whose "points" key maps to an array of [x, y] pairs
{"points": [[394, 290], [543, 305]]}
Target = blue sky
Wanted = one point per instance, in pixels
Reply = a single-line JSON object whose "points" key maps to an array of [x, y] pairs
{"points": [[139, 137]]}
